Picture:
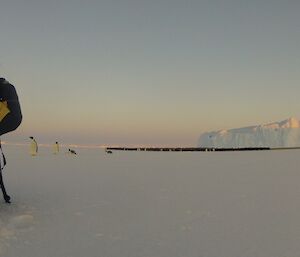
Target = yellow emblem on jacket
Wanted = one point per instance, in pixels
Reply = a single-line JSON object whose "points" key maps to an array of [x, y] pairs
{"points": [[3, 110]]}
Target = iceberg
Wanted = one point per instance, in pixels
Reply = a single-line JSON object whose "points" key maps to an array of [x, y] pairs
{"points": [[285, 133]]}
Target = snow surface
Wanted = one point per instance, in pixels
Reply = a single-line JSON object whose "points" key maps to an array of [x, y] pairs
{"points": [[278, 134], [141, 204]]}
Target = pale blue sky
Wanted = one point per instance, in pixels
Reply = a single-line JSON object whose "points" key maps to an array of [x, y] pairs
{"points": [[149, 72]]}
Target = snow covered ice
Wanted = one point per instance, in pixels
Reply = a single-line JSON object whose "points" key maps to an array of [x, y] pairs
{"points": [[141, 204], [278, 134]]}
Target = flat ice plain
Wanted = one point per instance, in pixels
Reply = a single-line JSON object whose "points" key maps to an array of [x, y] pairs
{"points": [[151, 204]]}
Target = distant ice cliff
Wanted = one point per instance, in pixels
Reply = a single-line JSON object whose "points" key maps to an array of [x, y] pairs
{"points": [[278, 134]]}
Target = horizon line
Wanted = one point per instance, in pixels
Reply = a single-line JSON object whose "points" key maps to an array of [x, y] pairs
{"points": [[90, 146]]}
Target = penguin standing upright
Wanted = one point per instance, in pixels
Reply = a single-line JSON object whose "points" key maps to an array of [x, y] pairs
{"points": [[33, 149], [55, 148]]}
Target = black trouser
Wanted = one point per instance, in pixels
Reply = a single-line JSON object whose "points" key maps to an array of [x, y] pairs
{"points": [[5, 195]]}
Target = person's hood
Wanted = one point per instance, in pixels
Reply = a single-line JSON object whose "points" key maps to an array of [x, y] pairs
{"points": [[3, 81]]}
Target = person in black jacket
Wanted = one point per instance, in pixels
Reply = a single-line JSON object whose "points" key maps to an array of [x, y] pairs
{"points": [[9, 99], [10, 119]]}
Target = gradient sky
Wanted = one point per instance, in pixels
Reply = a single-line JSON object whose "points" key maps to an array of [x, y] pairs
{"points": [[156, 72]]}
